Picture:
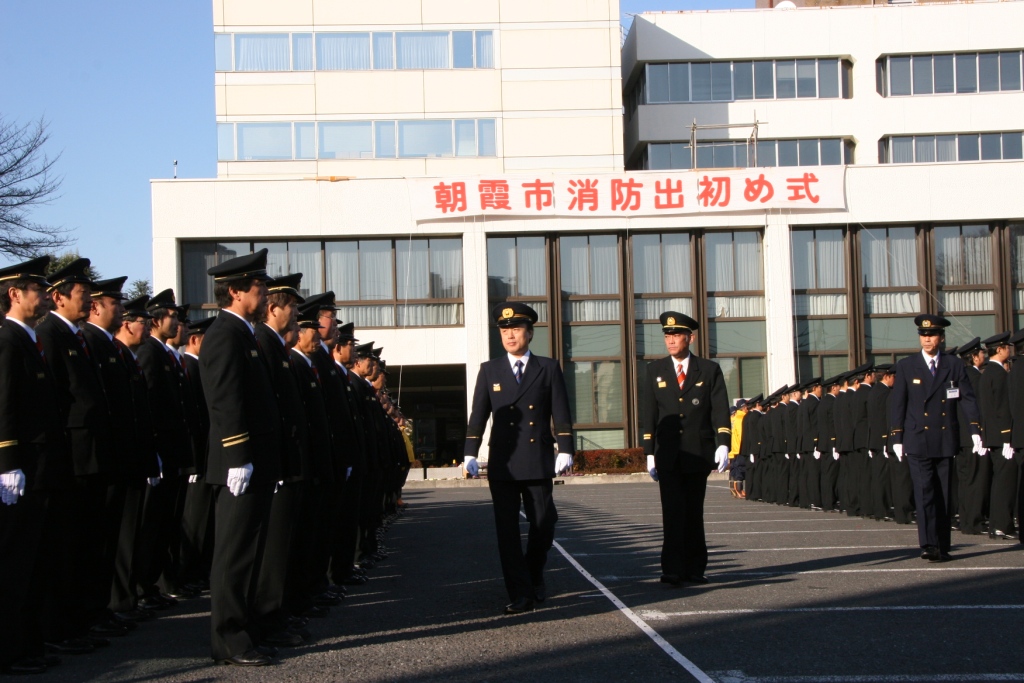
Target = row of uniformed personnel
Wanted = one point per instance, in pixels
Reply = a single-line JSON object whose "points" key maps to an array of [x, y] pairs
{"points": [[825, 444], [144, 458]]}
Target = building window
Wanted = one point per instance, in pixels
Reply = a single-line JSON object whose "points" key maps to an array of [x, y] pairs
{"points": [[517, 270], [732, 81], [662, 267], [1016, 237], [377, 283], [944, 74], [354, 51], [744, 154], [924, 149], [892, 291], [965, 287], [820, 302]]}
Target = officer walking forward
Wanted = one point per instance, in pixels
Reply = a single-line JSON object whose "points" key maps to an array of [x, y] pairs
{"points": [[684, 413], [524, 393]]}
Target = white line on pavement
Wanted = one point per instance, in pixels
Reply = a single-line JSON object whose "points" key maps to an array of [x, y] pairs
{"points": [[887, 570], [654, 549], [809, 531], [740, 677], [656, 615]]}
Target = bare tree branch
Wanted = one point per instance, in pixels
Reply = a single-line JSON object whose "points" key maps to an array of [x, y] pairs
{"points": [[27, 180]]}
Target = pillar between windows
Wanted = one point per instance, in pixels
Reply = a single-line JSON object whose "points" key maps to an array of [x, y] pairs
{"points": [[778, 291]]}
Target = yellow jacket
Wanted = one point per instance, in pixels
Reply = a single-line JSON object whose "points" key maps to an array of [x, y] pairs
{"points": [[737, 431]]}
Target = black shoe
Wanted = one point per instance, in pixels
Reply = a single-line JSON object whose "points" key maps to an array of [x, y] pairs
{"points": [[283, 639], [72, 646], [108, 630], [25, 667], [127, 623], [931, 553], [268, 650], [135, 615], [153, 602], [250, 658], [540, 592], [316, 612], [182, 593], [673, 579], [301, 632], [519, 606], [700, 580], [326, 600], [297, 622], [354, 580], [944, 557]]}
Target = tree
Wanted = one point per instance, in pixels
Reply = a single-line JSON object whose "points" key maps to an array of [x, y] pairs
{"points": [[27, 181], [138, 288], [58, 261]]}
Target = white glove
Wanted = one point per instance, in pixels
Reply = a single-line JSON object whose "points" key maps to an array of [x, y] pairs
{"points": [[193, 478], [238, 479], [885, 451], [871, 454], [651, 469], [978, 448], [897, 448], [787, 456], [1008, 451], [12, 486], [348, 473], [835, 454], [471, 465], [817, 454], [751, 458], [277, 486], [722, 457], [563, 463], [160, 464], [153, 481], [797, 456]]}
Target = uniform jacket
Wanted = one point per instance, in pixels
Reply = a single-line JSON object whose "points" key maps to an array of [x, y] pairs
{"points": [[858, 408], [199, 416], [792, 427], [878, 417], [117, 383], [349, 447], [369, 420], [778, 427], [922, 418], [993, 393], [826, 425], [807, 424], [295, 464], [765, 425], [81, 397], [32, 436], [843, 423], [750, 443], [687, 422], [138, 425], [522, 446], [966, 444], [315, 409], [245, 426], [1016, 404], [165, 384]]}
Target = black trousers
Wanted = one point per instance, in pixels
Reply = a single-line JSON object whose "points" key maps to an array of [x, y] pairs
{"points": [[796, 465], [902, 489], [116, 492], [684, 550], [239, 537], [196, 533], [22, 572], [268, 606], [829, 480], [850, 462], [880, 485], [810, 492], [753, 481], [932, 492], [522, 571], [977, 484], [867, 485], [157, 531], [310, 552], [123, 591], [344, 531], [1003, 499]]}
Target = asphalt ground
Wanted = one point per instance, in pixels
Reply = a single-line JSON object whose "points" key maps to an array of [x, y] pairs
{"points": [[795, 597]]}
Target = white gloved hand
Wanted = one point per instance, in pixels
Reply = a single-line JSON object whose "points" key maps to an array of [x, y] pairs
{"points": [[835, 454], [348, 474], [193, 478], [978, 448], [751, 458], [160, 464], [651, 469], [897, 449], [471, 465], [787, 456], [1008, 451], [797, 456], [563, 463], [238, 479], [722, 457], [871, 454], [817, 454], [885, 451], [12, 486]]}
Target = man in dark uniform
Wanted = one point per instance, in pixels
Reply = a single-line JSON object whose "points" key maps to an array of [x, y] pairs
{"points": [[34, 461], [750, 446], [1017, 415], [827, 444], [793, 445], [865, 378], [810, 456], [244, 462], [844, 445], [524, 393], [878, 441], [925, 429], [684, 413], [974, 471], [780, 447], [993, 392]]}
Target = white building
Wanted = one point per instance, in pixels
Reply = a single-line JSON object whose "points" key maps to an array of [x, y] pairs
{"points": [[340, 126]]}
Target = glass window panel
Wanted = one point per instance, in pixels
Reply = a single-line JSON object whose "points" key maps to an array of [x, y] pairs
{"points": [[923, 75], [532, 269], [944, 80], [831, 152], [608, 391], [988, 72], [766, 153], [501, 268], [413, 269], [788, 155], [657, 83], [891, 303], [262, 52], [833, 365], [650, 340], [819, 304], [724, 155], [575, 259], [831, 259], [967, 147], [484, 50], [890, 333], [659, 156], [700, 81], [828, 78], [465, 138], [750, 276], [277, 257], [731, 375], [1012, 146], [821, 335], [368, 316], [1009, 70], [446, 268], [721, 274], [902, 150], [462, 49], [604, 264], [806, 78], [681, 157], [808, 152], [651, 309], [584, 341], [429, 315], [735, 307], [306, 258], [541, 340], [966, 72], [222, 51], [945, 148], [425, 138], [375, 270], [602, 439], [647, 264], [342, 259], [591, 311], [679, 82], [422, 50], [579, 383], [753, 377], [977, 246], [743, 80], [991, 146], [705, 155], [346, 140], [803, 259], [486, 138], [924, 149], [305, 141], [737, 337], [196, 258], [264, 141], [384, 139], [967, 327], [302, 51], [899, 76], [1017, 255], [785, 79], [764, 80], [225, 141], [383, 50], [343, 51], [902, 257], [721, 81], [881, 78], [676, 269]]}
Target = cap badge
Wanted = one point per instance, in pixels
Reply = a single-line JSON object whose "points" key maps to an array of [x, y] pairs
{"points": [[670, 320], [926, 323], [507, 313]]}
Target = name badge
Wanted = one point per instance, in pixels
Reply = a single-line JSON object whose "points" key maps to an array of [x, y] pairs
{"points": [[254, 353], [662, 385], [699, 384], [40, 375], [496, 387], [952, 391], [917, 381], [285, 365], [112, 360], [72, 352]]}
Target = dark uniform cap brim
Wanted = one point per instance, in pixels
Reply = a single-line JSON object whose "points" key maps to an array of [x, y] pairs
{"points": [[75, 272], [364, 350], [249, 266], [673, 322], [200, 326], [163, 299], [928, 324], [136, 308], [997, 340], [319, 302], [109, 288], [513, 314], [1017, 337], [286, 284], [34, 270]]}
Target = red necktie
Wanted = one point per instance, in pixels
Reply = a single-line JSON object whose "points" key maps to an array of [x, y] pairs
{"points": [[81, 341], [681, 376], [316, 373], [39, 346]]}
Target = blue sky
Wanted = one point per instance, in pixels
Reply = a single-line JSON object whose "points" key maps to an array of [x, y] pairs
{"points": [[127, 87]]}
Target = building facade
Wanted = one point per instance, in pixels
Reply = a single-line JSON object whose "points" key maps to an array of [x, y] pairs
{"points": [[339, 127]]}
